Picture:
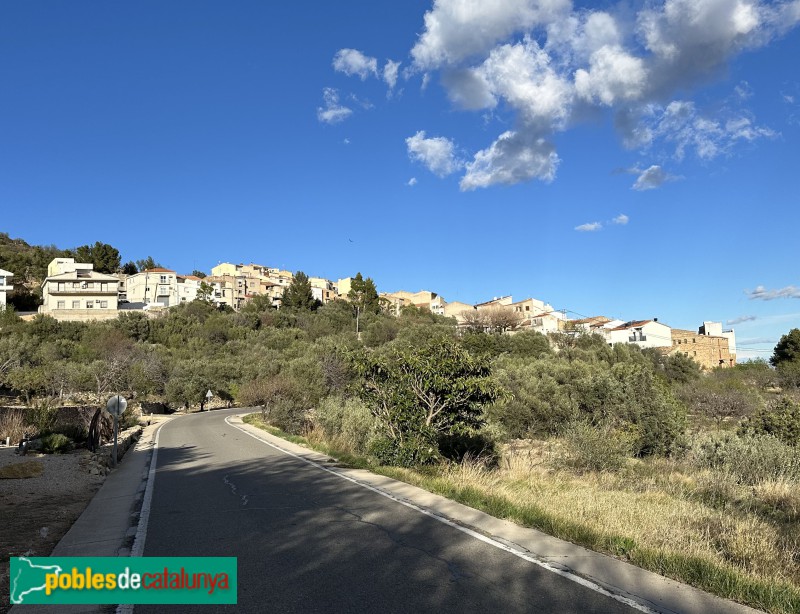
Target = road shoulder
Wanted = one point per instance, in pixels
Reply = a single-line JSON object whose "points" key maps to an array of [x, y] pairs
{"points": [[617, 577]]}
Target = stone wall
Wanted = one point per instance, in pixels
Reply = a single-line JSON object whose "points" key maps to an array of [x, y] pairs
{"points": [[708, 351]]}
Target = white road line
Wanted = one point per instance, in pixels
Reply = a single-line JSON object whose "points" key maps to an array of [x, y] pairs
{"points": [[144, 514], [488, 540]]}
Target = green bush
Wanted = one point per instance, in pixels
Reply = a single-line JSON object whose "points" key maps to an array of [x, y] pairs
{"points": [[76, 432], [348, 422], [586, 447], [781, 420], [749, 459], [56, 443], [42, 416], [413, 451]]}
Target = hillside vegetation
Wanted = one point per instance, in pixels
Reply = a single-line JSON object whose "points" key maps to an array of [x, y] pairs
{"points": [[623, 450]]}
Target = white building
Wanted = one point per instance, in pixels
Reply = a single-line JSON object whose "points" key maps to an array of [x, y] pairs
{"points": [[644, 333], [5, 286], [74, 291], [157, 287], [188, 286]]}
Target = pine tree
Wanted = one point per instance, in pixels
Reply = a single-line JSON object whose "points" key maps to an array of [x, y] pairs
{"points": [[298, 294], [363, 294]]}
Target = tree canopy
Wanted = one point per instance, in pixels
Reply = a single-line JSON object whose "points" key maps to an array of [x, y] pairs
{"points": [[298, 294], [787, 349], [363, 294], [103, 256]]}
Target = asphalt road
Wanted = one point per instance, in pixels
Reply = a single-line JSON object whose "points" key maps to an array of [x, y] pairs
{"points": [[309, 541]]}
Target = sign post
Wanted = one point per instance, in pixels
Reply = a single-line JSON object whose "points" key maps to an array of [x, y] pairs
{"points": [[209, 395], [116, 407]]}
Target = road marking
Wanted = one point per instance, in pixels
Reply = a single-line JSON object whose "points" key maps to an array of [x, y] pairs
{"points": [[479, 536], [144, 514]]}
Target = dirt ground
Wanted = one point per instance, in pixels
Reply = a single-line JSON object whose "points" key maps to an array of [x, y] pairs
{"points": [[35, 513]]}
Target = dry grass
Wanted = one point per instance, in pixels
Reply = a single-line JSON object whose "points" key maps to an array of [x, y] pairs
{"points": [[12, 424], [740, 542], [26, 469], [702, 527]]}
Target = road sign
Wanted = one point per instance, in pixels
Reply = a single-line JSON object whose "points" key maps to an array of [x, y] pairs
{"points": [[209, 394], [116, 405]]}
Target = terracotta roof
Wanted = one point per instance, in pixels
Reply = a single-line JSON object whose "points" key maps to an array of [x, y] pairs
{"points": [[633, 324], [594, 320], [193, 277], [157, 270]]}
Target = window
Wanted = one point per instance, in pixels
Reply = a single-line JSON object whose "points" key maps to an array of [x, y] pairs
{"points": [[89, 304], [76, 304], [76, 284], [103, 304], [527, 307], [694, 339], [163, 279], [60, 305]]}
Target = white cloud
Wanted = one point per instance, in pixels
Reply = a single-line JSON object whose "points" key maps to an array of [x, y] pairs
{"points": [[346, 141], [651, 178], [412, 182], [522, 75], [590, 227], [512, 158], [390, 71], [333, 112], [353, 62], [621, 219], [437, 153], [762, 294], [740, 320], [541, 66], [614, 75], [681, 128], [459, 29]]}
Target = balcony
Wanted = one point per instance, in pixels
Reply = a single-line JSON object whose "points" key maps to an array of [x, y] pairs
{"points": [[109, 290], [636, 338]]}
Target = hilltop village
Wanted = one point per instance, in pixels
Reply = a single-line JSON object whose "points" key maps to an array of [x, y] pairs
{"points": [[74, 291]]}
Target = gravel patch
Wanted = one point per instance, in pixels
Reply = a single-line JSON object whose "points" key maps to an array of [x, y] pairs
{"points": [[63, 474]]}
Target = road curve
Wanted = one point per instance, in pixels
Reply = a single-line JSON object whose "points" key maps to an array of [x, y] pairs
{"points": [[309, 541]]}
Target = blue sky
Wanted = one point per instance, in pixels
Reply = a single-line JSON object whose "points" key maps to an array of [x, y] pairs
{"points": [[635, 160]]}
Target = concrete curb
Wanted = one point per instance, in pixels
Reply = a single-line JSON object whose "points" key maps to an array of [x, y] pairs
{"points": [[104, 527], [617, 577]]}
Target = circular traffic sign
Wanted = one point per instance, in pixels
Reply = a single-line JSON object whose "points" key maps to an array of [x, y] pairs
{"points": [[116, 405]]}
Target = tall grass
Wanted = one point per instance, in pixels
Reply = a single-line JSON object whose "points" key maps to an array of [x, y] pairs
{"points": [[715, 526]]}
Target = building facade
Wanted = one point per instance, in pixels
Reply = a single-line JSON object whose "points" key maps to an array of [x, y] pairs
{"points": [[73, 291], [5, 286], [153, 287]]}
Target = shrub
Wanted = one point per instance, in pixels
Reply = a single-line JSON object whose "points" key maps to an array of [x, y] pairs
{"points": [[750, 459], [42, 416], [56, 443], [413, 451], [594, 448], [347, 422], [281, 400], [781, 420]]}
